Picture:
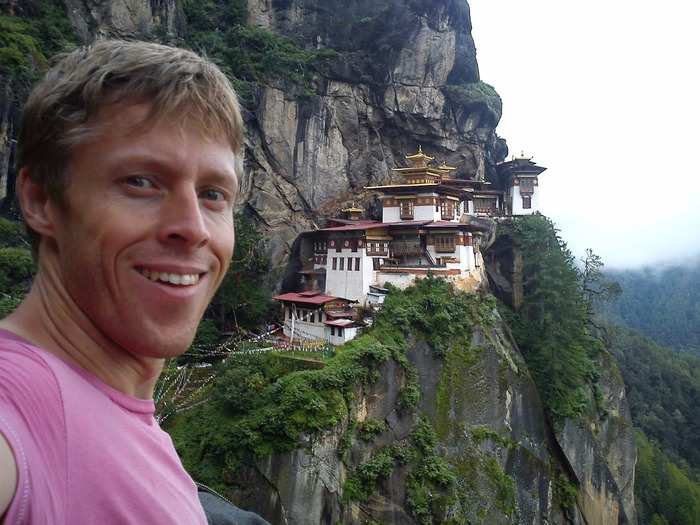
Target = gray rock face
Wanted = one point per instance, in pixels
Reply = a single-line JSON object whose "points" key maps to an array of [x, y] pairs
{"points": [[145, 19], [380, 99], [490, 427], [598, 449]]}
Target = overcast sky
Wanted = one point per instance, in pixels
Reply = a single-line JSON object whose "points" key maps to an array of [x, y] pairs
{"points": [[606, 95]]}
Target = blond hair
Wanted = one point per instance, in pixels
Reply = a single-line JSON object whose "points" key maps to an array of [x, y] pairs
{"points": [[62, 109]]}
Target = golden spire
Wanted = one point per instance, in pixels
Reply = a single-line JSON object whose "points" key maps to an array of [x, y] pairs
{"points": [[444, 167], [420, 159]]}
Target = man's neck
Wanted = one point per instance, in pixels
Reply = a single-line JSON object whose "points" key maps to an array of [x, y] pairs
{"points": [[50, 319]]}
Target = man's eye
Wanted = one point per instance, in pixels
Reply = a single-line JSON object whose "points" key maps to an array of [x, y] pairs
{"points": [[213, 195], [140, 182]]}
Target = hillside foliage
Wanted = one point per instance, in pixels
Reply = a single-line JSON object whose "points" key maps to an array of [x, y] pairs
{"points": [[249, 55], [552, 327], [665, 493], [663, 390], [663, 304], [16, 265], [265, 403]]}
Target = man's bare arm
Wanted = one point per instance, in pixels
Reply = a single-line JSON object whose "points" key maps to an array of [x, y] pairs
{"points": [[8, 476]]}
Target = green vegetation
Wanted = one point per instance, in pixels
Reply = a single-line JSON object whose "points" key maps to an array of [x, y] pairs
{"points": [[429, 480], [27, 42], [503, 485], [16, 266], [663, 390], [249, 55], [454, 386], [477, 96], [665, 493], [259, 406], [481, 434], [430, 484], [370, 428], [664, 305], [565, 491], [436, 312], [552, 326], [362, 482]]}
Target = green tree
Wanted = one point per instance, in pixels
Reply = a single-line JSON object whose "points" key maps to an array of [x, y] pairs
{"points": [[597, 287], [664, 491], [552, 326], [243, 300]]}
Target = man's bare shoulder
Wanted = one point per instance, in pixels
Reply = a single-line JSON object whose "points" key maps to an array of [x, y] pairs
{"points": [[8, 476]]}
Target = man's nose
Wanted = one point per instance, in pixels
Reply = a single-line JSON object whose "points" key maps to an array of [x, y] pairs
{"points": [[182, 220]]}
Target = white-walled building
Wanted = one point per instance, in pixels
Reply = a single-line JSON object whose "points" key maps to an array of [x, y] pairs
{"points": [[520, 180], [317, 317], [429, 226]]}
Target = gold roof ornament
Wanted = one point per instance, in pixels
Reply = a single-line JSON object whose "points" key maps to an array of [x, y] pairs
{"points": [[353, 209], [522, 156], [444, 167], [419, 159]]}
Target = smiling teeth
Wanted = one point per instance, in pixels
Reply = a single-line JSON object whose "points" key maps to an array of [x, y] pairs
{"points": [[180, 279]]}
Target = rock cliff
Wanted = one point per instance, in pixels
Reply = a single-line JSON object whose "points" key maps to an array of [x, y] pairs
{"points": [[441, 423], [404, 73]]}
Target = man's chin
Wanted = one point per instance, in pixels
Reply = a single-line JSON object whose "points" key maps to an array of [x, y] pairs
{"points": [[168, 347]]}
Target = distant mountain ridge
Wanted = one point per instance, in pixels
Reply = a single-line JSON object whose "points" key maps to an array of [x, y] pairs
{"points": [[662, 304]]}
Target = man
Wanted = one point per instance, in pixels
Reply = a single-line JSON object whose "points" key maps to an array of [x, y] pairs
{"points": [[130, 155]]}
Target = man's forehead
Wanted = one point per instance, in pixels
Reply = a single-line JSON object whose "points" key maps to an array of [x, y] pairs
{"points": [[124, 119]]}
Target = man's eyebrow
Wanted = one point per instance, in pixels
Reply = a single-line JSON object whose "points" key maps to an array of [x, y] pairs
{"points": [[227, 179]]}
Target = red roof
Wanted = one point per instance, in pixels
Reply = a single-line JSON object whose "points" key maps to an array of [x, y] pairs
{"points": [[340, 315], [444, 224], [343, 323], [354, 227], [308, 298], [408, 223], [351, 221]]}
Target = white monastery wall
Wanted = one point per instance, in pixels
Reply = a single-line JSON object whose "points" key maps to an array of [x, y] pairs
{"points": [[400, 280], [348, 334], [347, 283], [391, 214], [304, 330], [425, 213], [518, 202]]}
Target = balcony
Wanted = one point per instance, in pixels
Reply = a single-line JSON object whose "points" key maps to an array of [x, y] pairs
{"points": [[406, 248]]}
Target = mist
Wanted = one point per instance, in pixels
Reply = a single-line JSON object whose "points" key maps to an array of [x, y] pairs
{"points": [[604, 94]]}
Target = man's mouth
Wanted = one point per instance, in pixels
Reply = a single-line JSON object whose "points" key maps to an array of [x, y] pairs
{"points": [[177, 279]]}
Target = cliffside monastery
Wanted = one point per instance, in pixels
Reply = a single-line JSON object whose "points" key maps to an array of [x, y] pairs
{"points": [[432, 223]]}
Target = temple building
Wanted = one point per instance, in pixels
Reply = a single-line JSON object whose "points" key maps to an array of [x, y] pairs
{"points": [[519, 178], [431, 224]]}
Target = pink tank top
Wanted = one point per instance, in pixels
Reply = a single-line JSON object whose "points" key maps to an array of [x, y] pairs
{"points": [[86, 453]]}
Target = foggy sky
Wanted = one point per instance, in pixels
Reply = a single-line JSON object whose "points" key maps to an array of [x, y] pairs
{"points": [[605, 95]]}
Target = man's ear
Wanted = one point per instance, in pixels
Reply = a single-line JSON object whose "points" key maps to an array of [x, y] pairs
{"points": [[37, 209]]}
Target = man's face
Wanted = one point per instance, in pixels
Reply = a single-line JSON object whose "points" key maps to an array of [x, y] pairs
{"points": [[146, 233]]}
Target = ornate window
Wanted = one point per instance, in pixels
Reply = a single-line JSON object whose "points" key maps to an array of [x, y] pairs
{"points": [[444, 242], [447, 209], [527, 202], [406, 209]]}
